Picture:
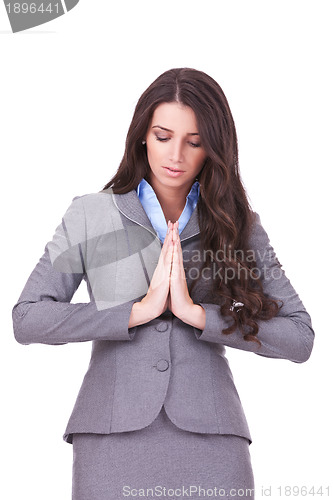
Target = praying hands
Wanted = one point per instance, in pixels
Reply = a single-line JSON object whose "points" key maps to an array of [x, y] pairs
{"points": [[168, 287]]}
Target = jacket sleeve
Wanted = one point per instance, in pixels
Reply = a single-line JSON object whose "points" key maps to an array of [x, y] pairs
{"points": [[289, 335], [43, 312]]}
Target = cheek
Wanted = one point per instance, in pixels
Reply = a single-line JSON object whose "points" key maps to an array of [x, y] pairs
{"points": [[154, 152]]}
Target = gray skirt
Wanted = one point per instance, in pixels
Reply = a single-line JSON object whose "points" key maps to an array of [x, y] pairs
{"points": [[163, 461]]}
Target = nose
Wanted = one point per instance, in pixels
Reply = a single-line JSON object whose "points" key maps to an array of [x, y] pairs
{"points": [[176, 154]]}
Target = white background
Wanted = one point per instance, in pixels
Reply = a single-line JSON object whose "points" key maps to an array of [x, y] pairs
{"points": [[68, 91]]}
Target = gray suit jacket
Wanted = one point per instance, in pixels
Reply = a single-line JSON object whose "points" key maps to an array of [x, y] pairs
{"points": [[107, 240]]}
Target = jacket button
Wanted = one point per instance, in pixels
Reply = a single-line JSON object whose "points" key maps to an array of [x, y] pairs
{"points": [[162, 327], [162, 365]]}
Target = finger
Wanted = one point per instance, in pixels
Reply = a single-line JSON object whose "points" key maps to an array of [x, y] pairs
{"points": [[162, 271], [175, 257], [167, 236], [178, 256], [172, 232], [166, 239], [169, 256], [177, 237], [179, 246], [168, 250]]}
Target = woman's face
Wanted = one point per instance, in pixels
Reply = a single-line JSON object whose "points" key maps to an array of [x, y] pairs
{"points": [[174, 151]]}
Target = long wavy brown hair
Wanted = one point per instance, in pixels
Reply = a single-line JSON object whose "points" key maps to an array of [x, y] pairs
{"points": [[224, 213]]}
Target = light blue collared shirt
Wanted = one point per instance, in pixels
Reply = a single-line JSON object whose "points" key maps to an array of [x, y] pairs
{"points": [[154, 210]]}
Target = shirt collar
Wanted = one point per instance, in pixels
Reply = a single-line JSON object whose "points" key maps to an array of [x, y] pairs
{"points": [[144, 189], [153, 209]]}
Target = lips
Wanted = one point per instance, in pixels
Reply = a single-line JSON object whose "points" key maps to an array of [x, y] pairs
{"points": [[174, 169]]}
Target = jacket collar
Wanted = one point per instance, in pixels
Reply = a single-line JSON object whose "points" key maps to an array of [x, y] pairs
{"points": [[130, 206]]}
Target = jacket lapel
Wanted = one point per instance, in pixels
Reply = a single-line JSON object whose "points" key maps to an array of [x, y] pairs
{"points": [[130, 206]]}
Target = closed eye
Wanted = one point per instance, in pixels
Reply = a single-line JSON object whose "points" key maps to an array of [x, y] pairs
{"points": [[165, 139]]}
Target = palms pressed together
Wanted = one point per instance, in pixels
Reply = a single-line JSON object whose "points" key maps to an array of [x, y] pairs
{"points": [[168, 287]]}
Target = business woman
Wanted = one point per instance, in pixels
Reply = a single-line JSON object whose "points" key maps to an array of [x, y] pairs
{"points": [[177, 266]]}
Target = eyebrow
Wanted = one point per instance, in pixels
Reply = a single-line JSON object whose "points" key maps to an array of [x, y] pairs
{"points": [[168, 130]]}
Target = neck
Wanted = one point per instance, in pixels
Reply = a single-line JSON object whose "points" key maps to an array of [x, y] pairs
{"points": [[172, 199]]}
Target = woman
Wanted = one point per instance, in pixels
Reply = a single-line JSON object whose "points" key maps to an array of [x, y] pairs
{"points": [[177, 266]]}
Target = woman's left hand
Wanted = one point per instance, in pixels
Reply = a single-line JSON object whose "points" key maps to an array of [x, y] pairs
{"points": [[180, 302]]}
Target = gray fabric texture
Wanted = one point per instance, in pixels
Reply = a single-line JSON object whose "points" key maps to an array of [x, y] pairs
{"points": [[107, 240], [161, 459]]}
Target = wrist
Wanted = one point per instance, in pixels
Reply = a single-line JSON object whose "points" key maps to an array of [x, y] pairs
{"points": [[194, 315], [146, 309], [139, 315]]}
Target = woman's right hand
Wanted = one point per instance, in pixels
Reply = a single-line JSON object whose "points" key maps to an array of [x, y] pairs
{"points": [[157, 298]]}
